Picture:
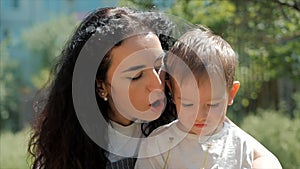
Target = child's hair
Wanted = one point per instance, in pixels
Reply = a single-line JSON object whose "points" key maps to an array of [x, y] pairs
{"points": [[202, 50]]}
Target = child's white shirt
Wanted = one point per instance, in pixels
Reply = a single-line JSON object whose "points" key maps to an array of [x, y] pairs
{"points": [[229, 149]]}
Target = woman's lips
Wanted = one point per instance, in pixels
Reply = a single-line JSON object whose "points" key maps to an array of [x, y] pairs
{"points": [[158, 106]]}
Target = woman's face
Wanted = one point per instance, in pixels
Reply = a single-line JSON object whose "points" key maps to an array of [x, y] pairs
{"points": [[135, 90]]}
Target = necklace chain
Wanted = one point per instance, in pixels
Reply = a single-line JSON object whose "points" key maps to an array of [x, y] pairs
{"points": [[169, 151], [206, 155]]}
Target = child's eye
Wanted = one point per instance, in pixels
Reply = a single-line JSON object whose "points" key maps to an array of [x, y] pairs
{"points": [[138, 76], [187, 104], [213, 105]]}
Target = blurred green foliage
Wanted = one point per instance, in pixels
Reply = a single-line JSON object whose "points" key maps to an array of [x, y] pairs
{"points": [[9, 89], [278, 133], [43, 48], [47, 46], [144, 5], [209, 13], [296, 97]]}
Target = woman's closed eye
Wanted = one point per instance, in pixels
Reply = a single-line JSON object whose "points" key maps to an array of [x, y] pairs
{"points": [[137, 76]]}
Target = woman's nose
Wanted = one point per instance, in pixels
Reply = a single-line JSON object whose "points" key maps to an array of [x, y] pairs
{"points": [[162, 76], [154, 81]]}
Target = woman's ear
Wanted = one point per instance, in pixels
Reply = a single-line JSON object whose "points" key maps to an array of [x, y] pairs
{"points": [[233, 92], [101, 89]]}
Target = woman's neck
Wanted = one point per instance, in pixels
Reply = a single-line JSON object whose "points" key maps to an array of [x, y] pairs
{"points": [[118, 118]]}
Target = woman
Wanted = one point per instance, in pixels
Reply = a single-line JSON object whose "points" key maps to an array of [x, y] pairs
{"points": [[59, 138]]}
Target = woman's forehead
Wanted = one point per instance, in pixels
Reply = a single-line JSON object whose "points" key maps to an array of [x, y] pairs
{"points": [[143, 40], [141, 50]]}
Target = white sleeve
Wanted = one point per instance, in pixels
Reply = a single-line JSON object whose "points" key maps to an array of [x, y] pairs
{"points": [[245, 150], [247, 156], [262, 157]]}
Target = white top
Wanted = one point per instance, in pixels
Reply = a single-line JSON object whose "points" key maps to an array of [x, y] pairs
{"points": [[123, 140], [229, 149]]}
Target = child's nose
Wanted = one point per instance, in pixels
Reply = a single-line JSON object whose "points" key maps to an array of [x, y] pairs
{"points": [[203, 111]]}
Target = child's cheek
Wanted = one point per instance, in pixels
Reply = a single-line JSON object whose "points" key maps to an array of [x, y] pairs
{"points": [[216, 114], [187, 116]]}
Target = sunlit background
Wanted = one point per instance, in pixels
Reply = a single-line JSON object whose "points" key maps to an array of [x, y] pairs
{"points": [[265, 34]]}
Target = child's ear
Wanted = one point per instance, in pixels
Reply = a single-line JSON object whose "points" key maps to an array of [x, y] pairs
{"points": [[233, 92], [101, 89]]}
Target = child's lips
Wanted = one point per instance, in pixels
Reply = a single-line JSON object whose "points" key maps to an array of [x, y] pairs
{"points": [[200, 125]]}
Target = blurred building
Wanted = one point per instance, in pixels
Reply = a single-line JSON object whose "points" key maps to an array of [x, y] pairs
{"points": [[18, 15]]}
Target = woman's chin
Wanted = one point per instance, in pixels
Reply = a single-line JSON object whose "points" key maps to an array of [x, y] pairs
{"points": [[148, 116]]}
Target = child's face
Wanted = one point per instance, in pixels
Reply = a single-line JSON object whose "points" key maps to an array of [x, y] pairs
{"points": [[203, 115]]}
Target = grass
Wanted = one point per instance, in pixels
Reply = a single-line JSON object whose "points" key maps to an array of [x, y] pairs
{"points": [[13, 149], [278, 133]]}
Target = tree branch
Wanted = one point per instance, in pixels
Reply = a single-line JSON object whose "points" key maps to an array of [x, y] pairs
{"points": [[296, 5]]}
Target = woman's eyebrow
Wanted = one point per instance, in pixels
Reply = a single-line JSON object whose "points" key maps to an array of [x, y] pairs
{"points": [[134, 68]]}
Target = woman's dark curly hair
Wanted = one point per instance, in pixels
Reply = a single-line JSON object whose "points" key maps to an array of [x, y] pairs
{"points": [[58, 140]]}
